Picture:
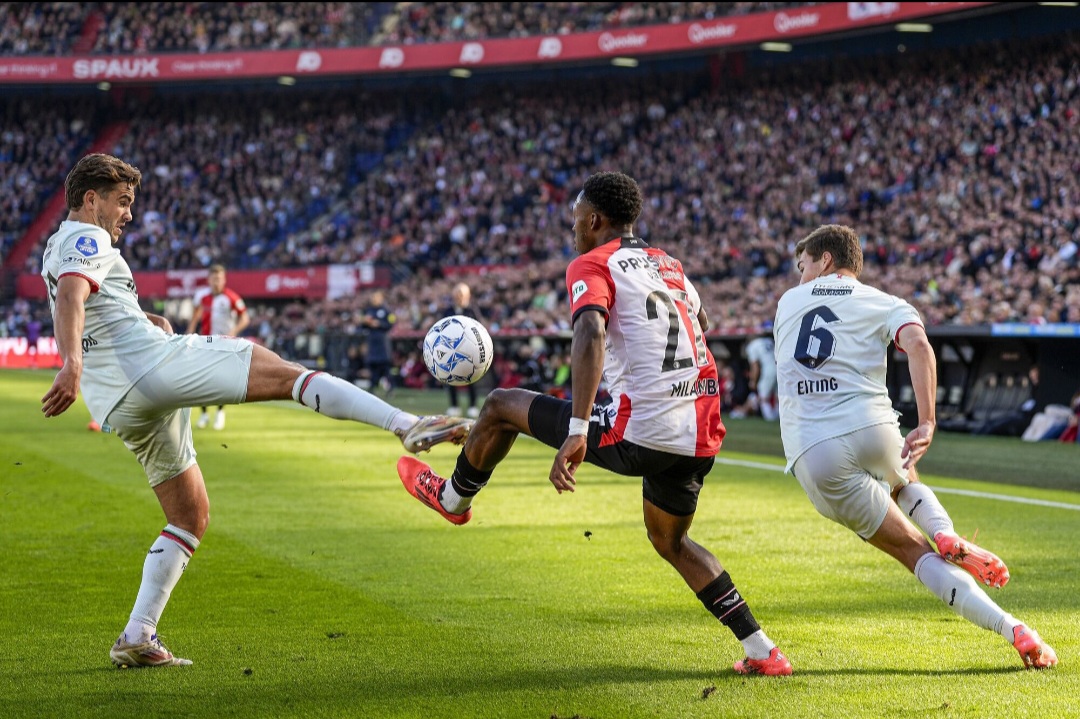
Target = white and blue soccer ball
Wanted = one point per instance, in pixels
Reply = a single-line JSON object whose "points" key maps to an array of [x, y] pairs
{"points": [[458, 350]]}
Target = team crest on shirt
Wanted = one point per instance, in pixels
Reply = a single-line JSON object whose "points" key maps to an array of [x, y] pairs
{"points": [[578, 290], [86, 246]]}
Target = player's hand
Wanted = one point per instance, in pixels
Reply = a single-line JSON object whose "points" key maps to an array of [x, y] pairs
{"points": [[916, 443], [62, 394], [161, 322], [567, 460]]}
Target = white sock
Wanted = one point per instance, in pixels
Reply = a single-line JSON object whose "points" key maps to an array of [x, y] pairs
{"points": [[339, 399], [453, 502], [964, 596], [758, 645], [921, 504], [165, 562]]}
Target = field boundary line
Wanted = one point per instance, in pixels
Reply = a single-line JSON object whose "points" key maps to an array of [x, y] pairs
{"points": [[941, 490]]}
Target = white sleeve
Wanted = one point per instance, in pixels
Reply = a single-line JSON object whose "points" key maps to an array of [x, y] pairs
{"points": [[89, 254]]}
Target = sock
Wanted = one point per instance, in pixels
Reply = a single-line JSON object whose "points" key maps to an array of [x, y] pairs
{"points": [[464, 484], [165, 562], [964, 596], [339, 399], [921, 504], [722, 599]]}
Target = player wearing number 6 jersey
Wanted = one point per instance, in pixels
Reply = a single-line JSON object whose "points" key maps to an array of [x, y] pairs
{"points": [[638, 321], [843, 441]]}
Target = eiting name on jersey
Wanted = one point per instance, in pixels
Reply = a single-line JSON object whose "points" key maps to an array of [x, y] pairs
{"points": [[817, 386], [707, 386], [831, 291]]}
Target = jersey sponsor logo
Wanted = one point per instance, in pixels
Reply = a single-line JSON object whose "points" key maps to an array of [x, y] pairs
{"points": [[79, 261], [87, 246], [830, 291], [578, 289], [707, 386], [88, 342], [817, 386]]}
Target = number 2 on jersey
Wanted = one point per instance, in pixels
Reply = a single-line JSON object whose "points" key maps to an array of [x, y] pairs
{"points": [[810, 331], [671, 299]]}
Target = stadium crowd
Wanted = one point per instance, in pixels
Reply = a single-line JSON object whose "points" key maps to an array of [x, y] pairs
{"points": [[122, 28], [37, 147], [449, 21], [959, 168]]}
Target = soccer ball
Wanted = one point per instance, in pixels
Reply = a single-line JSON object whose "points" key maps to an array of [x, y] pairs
{"points": [[457, 350]]}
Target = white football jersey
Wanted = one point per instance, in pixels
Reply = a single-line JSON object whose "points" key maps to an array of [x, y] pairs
{"points": [[832, 338], [119, 343], [659, 371], [762, 351]]}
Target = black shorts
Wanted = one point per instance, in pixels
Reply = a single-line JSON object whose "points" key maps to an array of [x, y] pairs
{"points": [[670, 481]]}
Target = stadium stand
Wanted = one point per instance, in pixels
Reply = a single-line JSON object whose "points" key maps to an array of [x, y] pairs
{"points": [[124, 28], [960, 166]]}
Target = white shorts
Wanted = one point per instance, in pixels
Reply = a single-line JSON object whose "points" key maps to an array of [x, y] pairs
{"points": [[154, 418], [849, 479]]}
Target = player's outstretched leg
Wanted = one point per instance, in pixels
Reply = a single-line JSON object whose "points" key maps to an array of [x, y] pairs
{"points": [[336, 398]]}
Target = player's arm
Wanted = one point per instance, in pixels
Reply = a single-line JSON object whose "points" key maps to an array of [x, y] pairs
{"points": [[70, 318], [243, 319], [922, 365], [160, 321], [196, 318], [586, 369]]}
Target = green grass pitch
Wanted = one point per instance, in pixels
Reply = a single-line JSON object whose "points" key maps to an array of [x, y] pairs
{"points": [[323, 590]]}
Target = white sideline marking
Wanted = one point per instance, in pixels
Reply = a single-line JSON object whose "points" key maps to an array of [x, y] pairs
{"points": [[942, 490]]}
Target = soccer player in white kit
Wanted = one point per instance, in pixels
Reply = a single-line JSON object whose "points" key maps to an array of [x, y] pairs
{"points": [[761, 354], [218, 310], [637, 321], [138, 377], [842, 438]]}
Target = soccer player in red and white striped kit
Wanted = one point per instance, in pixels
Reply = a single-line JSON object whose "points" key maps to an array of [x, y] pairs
{"points": [[638, 322]]}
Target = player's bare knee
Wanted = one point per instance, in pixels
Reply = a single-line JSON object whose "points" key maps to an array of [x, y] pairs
{"points": [[497, 406], [668, 546]]}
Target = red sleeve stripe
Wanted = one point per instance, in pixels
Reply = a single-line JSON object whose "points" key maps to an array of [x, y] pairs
{"points": [[896, 337], [93, 283]]}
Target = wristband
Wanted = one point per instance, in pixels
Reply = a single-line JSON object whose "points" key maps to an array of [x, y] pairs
{"points": [[578, 427]]}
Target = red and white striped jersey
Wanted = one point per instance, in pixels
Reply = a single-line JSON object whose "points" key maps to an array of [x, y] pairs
{"points": [[659, 371], [219, 311]]}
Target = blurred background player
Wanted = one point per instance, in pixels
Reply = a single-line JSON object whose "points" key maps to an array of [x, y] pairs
{"points": [[378, 321], [760, 354], [218, 310], [842, 438], [460, 301]]}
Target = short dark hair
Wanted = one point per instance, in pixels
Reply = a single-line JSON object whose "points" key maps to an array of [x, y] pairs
{"points": [[838, 240], [615, 196], [98, 172]]}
